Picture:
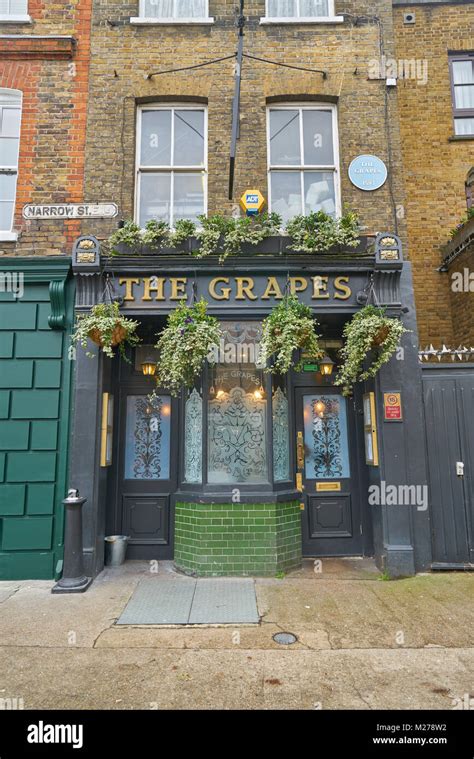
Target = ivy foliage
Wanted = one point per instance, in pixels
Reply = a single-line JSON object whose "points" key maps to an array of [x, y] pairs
{"points": [[105, 323], [288, 328]]}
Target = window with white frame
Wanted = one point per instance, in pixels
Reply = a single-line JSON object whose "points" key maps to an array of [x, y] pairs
{"points": [[10, 123], [462, 88], [173, 9], [14, 10], [303, 160], [307, 9], [171, 163]]}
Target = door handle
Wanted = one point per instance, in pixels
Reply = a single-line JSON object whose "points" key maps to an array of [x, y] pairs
{"points": [[299, 482], [460, 468], [299, 451]]}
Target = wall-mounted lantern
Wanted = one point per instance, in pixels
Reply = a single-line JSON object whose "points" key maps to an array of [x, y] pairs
{"points": [[326, 365]]}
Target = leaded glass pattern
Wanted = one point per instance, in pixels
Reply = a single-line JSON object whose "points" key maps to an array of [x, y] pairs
{"points": [[325, 437], [193, 438], [281, 443], [147, 438]]}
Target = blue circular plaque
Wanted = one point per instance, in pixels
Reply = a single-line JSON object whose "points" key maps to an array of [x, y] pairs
{"points": [[367, 172]]}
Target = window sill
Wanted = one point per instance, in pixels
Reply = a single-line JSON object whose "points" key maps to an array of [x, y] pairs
{"points": [[15, 19], [461, 138], [8, 236], [138, 21], [303, 20]]}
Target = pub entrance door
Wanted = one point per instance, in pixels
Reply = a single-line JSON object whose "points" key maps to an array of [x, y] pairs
{"points": [[327, 468]]}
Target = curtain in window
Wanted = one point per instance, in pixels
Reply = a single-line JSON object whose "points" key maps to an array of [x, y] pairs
{"points": [[175, 9], [13, 7], [311, 8], [281, 8]]}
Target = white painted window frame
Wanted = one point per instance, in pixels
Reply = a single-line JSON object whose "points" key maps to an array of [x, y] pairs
{"points": [[140, 170], [142, 20], [16, 18], [302, 168], [7, 235], [331, 18]]}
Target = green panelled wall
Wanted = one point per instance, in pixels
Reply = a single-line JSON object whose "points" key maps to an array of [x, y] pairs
{"points": [[35, 378], [237, 538]]}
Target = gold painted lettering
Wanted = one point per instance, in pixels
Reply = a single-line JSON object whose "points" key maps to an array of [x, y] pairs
{"points": [[342, 291], [178, 287], [153, 285], [128, 282], [245, 286], [273, 289], [298, 284], [320, 287], [224, 292]]}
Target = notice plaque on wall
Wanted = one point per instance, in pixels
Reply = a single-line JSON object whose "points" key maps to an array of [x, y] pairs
{"points": [[392, 407]]}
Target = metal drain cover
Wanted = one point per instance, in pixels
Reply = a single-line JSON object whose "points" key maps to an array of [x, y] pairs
{"points": [[285, 639]]}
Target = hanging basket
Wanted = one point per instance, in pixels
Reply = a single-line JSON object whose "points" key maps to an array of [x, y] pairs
{"points": [[118, 336], [381, 336]]}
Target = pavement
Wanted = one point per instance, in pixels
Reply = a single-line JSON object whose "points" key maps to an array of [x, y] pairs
{"points": [[362, 643]]}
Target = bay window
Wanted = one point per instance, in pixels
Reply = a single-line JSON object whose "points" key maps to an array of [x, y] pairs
{"points": [[462, 89], [10, 124], [303, 163], [171, 178]]}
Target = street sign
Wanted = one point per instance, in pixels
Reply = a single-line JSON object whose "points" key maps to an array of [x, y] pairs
{"points": [[71, 211], [252, 202], [392, 404]]}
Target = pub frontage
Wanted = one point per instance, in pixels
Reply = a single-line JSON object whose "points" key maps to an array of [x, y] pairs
{"points": [[248, 471]]}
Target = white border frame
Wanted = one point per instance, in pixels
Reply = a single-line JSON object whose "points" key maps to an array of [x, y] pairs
{"points": [[141, 19], [331, 18], [335, 168], [16, 18], [7, 235], [139, 170]]}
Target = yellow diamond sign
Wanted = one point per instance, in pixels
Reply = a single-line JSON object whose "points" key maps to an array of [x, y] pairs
{"points": [[252, 202]]}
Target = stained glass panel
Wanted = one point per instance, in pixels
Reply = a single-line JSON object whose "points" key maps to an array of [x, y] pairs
{"points": [[325, 437], [147, 438]]}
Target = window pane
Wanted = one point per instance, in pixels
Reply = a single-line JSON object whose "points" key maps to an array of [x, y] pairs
{"points": [[147, 438], [284, 138], [319, 192], [10, 122], [464, 126], [237, 425], [281, 431], [463, 72], [14, 7], [158, 8], [190, 9], [281, 8], [188, 200], [286, 193], [318, 138], [9, 151], [156, 138], [6, 216], [464, 96], [193, 438], [189, 138], [325, 437], [155, 197], [7, 186], [314, 8]]}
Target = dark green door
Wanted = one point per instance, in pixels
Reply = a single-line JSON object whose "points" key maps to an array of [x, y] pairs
{"points": [[327, 469]]}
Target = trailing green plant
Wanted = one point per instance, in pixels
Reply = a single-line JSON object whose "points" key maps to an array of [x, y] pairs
{"points": [[155, 234], [368, 330], [467, 217], [289, 327], [107, 328], [184, 345], [318, 231], [183, 230], [130, 235]]}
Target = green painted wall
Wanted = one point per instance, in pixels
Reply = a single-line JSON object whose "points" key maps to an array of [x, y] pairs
{"points": [[35, 379], [237, 538]]}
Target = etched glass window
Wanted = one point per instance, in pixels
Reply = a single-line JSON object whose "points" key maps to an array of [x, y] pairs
{"points": [[281, 441], [171, 171], [193, 438], [10, 119], [325, 437], [302, 160], [237, 409], [147, 438]]}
